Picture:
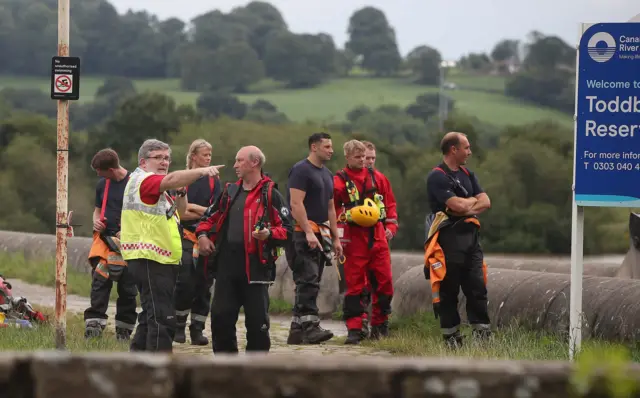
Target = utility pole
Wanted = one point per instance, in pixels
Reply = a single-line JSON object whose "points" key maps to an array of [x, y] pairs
{"points": [[443, 100], [62, 221], [441, 109]]}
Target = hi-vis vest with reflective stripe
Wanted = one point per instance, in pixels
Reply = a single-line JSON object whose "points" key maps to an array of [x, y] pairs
{"points": [[145, 230]]}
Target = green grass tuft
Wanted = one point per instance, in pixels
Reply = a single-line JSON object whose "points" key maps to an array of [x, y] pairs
{"points": [[419, 335], [43, 337]]}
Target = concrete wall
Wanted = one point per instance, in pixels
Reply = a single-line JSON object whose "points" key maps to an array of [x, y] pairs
{"points": [[539, 300], [43, 246], [124, 375], [35, 246]]}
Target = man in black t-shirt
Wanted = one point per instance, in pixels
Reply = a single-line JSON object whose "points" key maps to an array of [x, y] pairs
{"points": [[106, 227], [311, 201], [455, 191], [193, 290]]}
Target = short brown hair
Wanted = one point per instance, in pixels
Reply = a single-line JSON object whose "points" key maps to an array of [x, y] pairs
{"points": [[450, 139], [105, 159], [369, 145]]}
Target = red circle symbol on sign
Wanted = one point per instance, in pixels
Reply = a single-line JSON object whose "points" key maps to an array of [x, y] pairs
{"points": [[63, 83]]}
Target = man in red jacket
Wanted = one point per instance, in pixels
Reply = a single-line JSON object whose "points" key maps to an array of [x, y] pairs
{"points": [[248, 223], [370, 162], [365, 241]]}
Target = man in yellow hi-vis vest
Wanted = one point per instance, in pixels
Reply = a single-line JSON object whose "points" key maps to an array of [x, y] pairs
{"points": [[151, 241]]}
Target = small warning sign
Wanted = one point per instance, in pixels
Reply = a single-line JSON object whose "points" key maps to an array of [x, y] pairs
{"points": [[65, 78], [63, 83]]}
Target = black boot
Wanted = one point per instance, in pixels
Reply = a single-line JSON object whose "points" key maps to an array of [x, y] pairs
{"points": [[197, 338], [295, 334], [481, 334], [92, 329], [354, 337], [180, 336], [453, 341], [181, 324], [366, 330], [380, 331], [313, 333], [123, 334]]}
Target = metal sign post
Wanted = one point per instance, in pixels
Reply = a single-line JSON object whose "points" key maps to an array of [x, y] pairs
{"points": [[65, 87], [62, 180], [606, 165]]}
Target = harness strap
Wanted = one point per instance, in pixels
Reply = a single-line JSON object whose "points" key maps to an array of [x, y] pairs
{"points": [[104, 199], [461, 167], [449, 174], [351, 185], [267, 190]]}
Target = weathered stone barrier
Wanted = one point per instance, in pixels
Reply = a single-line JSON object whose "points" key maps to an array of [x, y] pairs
{"points": [[124, 375], [38, 246], [562, 265], [43, 246], [540, 300]]}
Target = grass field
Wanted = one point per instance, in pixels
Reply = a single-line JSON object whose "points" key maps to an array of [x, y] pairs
{"points": [[478, 95]]}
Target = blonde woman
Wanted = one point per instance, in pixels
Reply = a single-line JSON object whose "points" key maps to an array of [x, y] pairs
{"points": [[193, 291]]}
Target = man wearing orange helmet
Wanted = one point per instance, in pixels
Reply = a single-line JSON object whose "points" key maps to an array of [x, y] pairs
{"points": [[366, 214]]}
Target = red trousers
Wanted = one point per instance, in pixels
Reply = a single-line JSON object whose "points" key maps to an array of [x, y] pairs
{"points": [[365, 267]]}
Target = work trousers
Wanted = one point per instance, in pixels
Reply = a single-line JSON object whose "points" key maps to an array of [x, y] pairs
{"points": [[366, 266], [125, 303], [306, 268], [233, 291], [463, 258], [193, 292], [157, 322], [366, 293]]}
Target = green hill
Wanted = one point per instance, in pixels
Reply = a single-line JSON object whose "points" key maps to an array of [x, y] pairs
{"points": [[476, 95]]}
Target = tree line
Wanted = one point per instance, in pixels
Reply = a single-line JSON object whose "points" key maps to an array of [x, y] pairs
{"points": [[235, 50], [540, 71], [525, 169]]}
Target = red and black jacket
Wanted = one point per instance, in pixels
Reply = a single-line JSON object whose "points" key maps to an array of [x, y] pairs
{"points": [[260, 256]]}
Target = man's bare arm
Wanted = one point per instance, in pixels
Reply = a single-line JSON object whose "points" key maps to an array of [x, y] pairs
{"points": [[181, 205], [333, 222], [461, 205], [193, 212], [183, 178], [96, 214], [482, 203], [298, 211]]}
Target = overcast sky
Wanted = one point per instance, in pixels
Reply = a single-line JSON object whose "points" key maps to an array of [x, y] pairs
{"points": [[454, 27]]}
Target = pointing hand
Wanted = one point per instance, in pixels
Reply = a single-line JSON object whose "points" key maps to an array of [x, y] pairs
{"points": [[212, 171]]}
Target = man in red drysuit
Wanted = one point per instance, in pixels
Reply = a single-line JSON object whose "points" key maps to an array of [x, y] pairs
{"points": [[366, 248]]}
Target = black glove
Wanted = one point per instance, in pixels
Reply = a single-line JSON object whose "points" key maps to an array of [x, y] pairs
{"points": [[427, 272], [436, 310]]}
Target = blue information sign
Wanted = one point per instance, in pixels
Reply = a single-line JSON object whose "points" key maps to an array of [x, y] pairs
{"points": [[607, 167]]}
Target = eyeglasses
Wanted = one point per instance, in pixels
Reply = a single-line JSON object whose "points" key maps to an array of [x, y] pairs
{"points": [[160, 158]]}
